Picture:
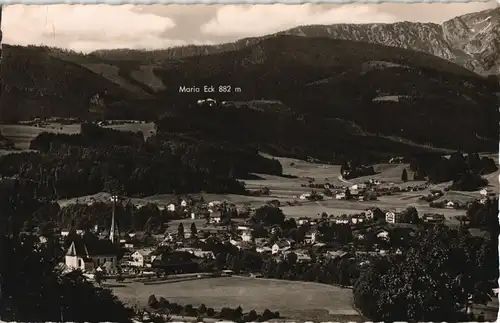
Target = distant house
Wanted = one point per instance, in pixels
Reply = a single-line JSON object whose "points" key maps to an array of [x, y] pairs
{"points": [[303, 220], [214, 204], [89, 256], [263, 249], [433, 218], [383, 234], [280, 247], [305, 196], [171, 207], [215, 217], [483, 192], [184, 203], [336, 254], [247, 235], [484, 200], [393, 217], [450, 205], [340, 196], [342, 220], [311, 237], [369, 214]]}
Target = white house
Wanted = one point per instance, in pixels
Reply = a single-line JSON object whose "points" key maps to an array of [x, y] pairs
{"points": [[184, 203], [483, 192], [303, 220], [392, 217], [383, 234], [247, 235], [305, 196], [280, 247], [340, 196], [141, 258], [369, 214], [171, 207], [215, 217], [311, 237], [78, 256], [214, 203], [263, 249], [450, 205]]}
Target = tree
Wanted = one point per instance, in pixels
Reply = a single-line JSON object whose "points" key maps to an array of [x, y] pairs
{"points": [[440, 262], [99, 277], [152, 301], [194, 231], [210, 311], [35, 291], [404, 175], [180, 231], [252, 316], [291, 258], [348, 194], [202, 309], [267, 315]]}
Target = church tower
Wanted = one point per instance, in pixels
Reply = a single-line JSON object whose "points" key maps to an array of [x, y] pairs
{"points": [[114, 234]]}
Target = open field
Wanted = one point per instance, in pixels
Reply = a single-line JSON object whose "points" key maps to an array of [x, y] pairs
{"points": [[294, 300]]}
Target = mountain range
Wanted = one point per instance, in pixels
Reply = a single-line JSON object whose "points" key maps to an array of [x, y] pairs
{"points": [[322, 96], [471, 40]]}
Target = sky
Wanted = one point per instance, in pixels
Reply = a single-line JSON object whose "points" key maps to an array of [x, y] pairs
{"points": [[85, 28]]}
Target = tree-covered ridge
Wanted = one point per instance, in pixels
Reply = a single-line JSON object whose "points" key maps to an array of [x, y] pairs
{"points": [[123, 163]]}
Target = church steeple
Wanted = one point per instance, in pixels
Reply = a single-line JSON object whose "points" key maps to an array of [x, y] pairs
{"points": [[114, 235]]}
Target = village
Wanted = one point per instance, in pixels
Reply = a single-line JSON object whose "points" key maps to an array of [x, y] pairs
{"points": [[199, 224]]}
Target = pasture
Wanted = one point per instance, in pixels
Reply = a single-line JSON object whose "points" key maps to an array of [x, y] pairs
{"points": [[294, 300]]}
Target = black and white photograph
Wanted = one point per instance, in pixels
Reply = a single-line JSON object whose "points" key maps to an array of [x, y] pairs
{"points": [[249, 163]]}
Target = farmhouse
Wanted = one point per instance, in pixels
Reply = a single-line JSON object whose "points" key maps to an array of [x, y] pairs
{"points": [[340, 196], [171, 207]]}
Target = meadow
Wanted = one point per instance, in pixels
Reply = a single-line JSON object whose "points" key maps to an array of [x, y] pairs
{"points": [[294, 300]]}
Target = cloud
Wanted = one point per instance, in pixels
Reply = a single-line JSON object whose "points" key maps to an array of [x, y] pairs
{"points": [[256, 20], [85, 28]]}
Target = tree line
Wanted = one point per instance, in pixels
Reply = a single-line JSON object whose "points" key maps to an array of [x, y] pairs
{"points": [[161, 305], [464, 170]]}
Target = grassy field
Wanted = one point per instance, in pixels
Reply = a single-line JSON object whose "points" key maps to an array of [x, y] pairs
{"points": [[294, 300]]}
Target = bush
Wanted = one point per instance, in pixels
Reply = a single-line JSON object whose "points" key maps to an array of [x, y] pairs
{"points": [[276, 315], [162, 303], [252, 316], [202, 309], [152, 301], [210, 311]]}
